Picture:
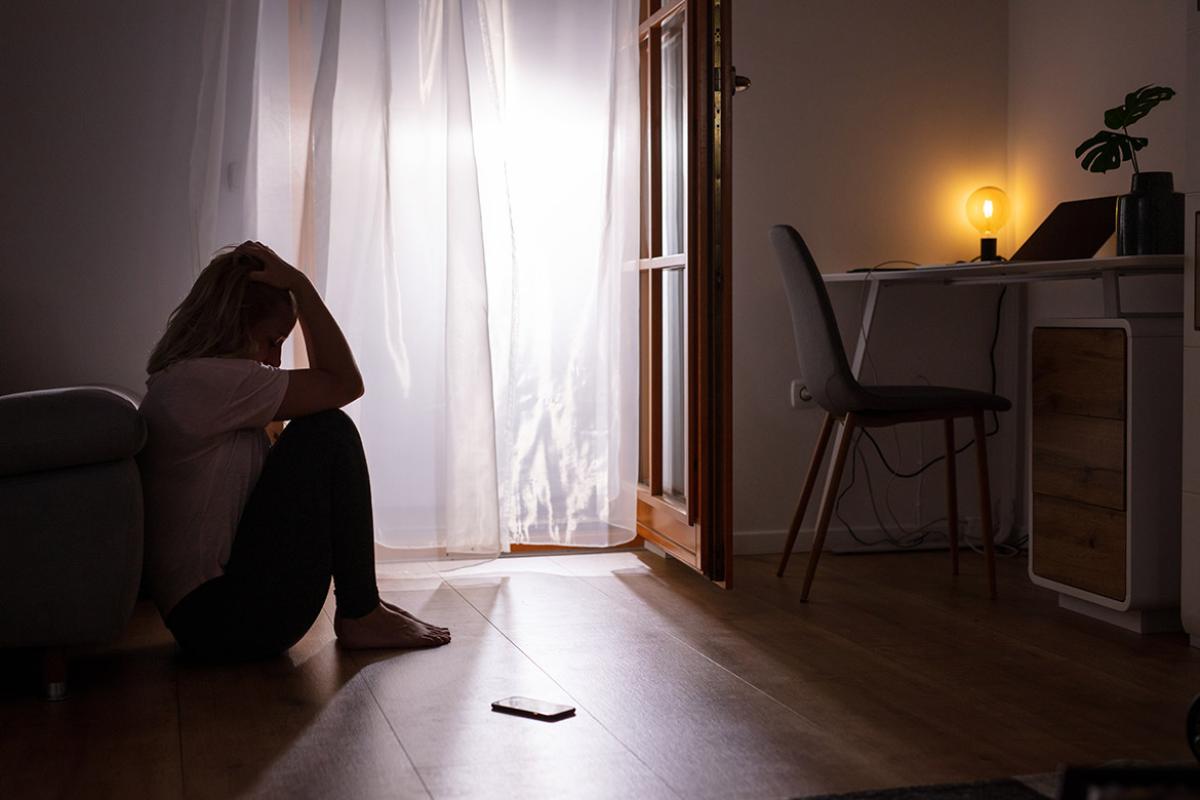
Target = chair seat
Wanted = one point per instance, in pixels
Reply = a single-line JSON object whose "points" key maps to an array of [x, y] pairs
{"points": [[928, 400]]}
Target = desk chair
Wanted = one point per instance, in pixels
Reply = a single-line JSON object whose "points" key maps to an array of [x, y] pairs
{"points": [[828, 377]]}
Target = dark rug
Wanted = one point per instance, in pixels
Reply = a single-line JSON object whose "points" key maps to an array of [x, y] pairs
{"points": [[1002, 789]]}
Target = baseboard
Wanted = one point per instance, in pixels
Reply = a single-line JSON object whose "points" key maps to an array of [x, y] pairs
{"points": [[837, 540], [745, 543]]}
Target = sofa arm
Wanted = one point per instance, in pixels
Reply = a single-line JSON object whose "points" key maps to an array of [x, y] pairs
{"points": [[71, 545], [68, 427]]}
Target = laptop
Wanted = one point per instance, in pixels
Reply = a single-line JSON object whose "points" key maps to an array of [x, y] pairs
{"points": [[1073, 230]]}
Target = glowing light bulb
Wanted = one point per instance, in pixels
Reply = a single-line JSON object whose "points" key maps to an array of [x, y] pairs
{"points": [[987, 211]]}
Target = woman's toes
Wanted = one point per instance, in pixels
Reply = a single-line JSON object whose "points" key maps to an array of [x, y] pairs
{"points": [[413, 617], [386, 628]]}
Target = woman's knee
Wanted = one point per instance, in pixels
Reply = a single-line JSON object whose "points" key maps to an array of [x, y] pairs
{"points": [[333, 424], [233, 619]]}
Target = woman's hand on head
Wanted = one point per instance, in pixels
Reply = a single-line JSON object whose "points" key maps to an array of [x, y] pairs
{"points": [[275, 271]]}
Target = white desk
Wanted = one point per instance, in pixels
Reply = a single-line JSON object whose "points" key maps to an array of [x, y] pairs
{"points": [[1115, 558], [1108, 270]]}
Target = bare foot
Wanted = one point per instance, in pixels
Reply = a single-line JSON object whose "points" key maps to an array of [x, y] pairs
{"points": [[385, 628], [402, 612]]}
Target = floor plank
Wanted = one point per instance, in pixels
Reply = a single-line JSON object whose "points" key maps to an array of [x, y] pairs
{"points": [[303, 725], [679, 710], [115, 735], [578, 775], [896, 673]]}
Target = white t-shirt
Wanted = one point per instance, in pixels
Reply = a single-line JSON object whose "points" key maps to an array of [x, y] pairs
{"points": [[203, 455]]}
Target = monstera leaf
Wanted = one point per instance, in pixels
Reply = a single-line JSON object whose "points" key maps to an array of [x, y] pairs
{"points": [[1137, 105], [1106, 150]]}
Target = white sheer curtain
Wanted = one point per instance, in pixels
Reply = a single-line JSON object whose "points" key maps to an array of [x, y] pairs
{"points": [[460, 178]]}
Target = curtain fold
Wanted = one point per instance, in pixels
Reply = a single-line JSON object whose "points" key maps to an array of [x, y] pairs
{"points": [[466, 200]]}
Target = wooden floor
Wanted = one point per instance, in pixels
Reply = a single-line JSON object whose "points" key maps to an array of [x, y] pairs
{"points": [[894, 674]]}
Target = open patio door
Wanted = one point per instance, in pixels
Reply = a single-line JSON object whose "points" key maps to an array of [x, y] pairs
{"points": [[685, 455]]}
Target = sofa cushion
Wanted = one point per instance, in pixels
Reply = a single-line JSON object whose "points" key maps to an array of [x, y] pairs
{"points": [[67, 427]]}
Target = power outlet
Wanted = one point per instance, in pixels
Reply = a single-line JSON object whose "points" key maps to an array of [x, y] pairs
{"points": [[799, 395]]}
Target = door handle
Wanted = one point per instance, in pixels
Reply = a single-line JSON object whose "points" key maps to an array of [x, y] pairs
{"points": [[740, 82]]}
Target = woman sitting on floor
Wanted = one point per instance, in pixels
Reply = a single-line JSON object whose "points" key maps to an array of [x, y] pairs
{"points": [[242, 537]]}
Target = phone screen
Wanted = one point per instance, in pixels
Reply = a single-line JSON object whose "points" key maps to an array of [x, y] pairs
{"points": [[533, 708]]}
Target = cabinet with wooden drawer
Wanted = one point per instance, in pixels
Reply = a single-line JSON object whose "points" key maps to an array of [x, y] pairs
{"points": [[1104, 411]]}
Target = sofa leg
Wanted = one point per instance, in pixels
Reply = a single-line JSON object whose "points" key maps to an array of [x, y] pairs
{"points": [[54, 673]]}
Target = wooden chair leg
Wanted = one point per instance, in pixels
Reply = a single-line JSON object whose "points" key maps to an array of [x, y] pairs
{"points": [[828, 499], [810, 479], [951, 496], [985, 502]]}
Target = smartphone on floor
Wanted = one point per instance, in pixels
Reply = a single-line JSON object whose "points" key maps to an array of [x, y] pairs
{"points": [[535, 709]]}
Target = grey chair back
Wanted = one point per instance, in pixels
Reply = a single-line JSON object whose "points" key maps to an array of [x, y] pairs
{"points": [[823, 365]]}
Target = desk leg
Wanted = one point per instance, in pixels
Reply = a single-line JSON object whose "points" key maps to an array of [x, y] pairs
{"points": [[1112, 293], [864, 331]]}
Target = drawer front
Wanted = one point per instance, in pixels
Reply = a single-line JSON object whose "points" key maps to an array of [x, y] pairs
{"points": [[1079, 371], [1079, 545], [1079, 458]]}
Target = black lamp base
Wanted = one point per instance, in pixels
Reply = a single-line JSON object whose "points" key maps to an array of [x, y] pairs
{"points": [[987, 250]]}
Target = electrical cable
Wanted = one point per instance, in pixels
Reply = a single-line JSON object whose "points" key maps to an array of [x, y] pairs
{"points": [[874, 267], [879, 521], [921, 532], [995, 417], [862, 299], [862, 332]]}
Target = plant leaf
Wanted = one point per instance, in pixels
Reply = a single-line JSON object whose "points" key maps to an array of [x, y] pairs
{"points": [[1106, 150], [1137, 105], [1116, 118]]}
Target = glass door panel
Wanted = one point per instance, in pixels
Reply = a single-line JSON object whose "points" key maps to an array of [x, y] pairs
{"points": [[668, 394], [674, 135], [674, 385]]}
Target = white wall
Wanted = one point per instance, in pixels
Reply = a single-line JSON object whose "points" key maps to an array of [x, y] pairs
{"points": [[1070, 61], [99, 105], [867, 126]]}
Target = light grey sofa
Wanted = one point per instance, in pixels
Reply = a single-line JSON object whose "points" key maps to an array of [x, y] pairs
{"points": [[70, 520]]}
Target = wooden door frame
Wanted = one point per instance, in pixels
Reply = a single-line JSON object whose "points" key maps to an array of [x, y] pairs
{"points": [[712, 122], [706, 523]]}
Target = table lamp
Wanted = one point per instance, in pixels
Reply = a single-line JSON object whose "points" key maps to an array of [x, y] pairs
{"points": [[987, 210]]}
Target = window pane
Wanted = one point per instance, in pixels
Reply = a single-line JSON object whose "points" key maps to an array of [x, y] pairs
{"points": [[645, 212], [674, 383], [674, 135], [644, 378]]}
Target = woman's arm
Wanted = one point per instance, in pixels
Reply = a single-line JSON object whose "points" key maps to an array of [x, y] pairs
{"points": [[332, 379]]}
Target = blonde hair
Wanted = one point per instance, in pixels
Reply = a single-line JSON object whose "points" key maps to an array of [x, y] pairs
{"points": [[216, 316]]}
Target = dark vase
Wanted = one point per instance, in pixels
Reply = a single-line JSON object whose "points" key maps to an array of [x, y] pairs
{"points": [[1150, 217]]}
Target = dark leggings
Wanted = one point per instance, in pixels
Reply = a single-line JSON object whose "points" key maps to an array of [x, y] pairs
{"points": [[308, 518]]}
